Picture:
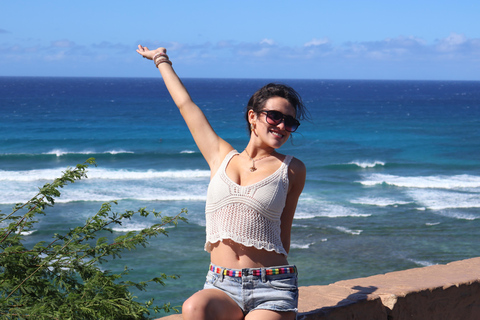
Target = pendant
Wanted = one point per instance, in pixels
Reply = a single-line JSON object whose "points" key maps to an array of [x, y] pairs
{"points": [[253, 169]]}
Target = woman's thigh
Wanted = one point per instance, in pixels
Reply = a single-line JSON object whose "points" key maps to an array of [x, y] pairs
{"points": [[211, 304], [270, 315]]}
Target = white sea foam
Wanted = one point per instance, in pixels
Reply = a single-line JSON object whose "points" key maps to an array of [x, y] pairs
{"points": [[463, 181], [30, 175], [422, 263], [367, 164], [133, 192], [105, 174], [337, 211], [149, 174], [444, 199], [187, 151], [61, 152], [349, 231], [458, 215], [134, 226], [27, 233], [294, 245], [378, 201], [108, 185], [119, 151], [309, 208], [108, 192], [304, 215]]}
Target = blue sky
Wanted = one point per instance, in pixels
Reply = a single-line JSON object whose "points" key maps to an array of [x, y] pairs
{"points": [[309, 39]]}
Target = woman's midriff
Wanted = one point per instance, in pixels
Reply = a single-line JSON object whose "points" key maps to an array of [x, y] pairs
{"points": [[232, 255]]}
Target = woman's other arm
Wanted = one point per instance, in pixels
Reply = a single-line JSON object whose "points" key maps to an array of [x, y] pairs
{"points": [[296, 177]]}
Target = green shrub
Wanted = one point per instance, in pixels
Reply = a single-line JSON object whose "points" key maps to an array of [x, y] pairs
{"points": [[61, 279]]}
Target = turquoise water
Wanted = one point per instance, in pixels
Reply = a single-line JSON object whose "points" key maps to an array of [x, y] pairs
{"points": [[393, 169]]}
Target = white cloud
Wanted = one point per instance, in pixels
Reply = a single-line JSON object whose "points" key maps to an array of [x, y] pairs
{"points": [[399, 53], [56, 57], [390, 48], [317, 42], [105, 45], [224, 44], [264, 52], [452, 42], [394, 49], [406, 41], [270, 42], [63, 44]]}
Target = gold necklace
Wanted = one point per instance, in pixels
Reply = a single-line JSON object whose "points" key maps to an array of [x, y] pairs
{"points": [[253, 168]]}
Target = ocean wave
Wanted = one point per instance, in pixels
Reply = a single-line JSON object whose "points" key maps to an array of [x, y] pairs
{"points": [[107, 174], [112, 198], [357, 164], [18, 198], [135, 227], [27, 233], [107, 195], [442, 200], [458, 215], [348, 231], [105, 190], [367, 164], [102, 174], [309, 208], [438, 182], [380, 202], [422, 263], [294, 245], [60, 152]]}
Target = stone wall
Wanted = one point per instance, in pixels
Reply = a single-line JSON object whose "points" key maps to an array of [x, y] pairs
{"points": [[447, 292]]}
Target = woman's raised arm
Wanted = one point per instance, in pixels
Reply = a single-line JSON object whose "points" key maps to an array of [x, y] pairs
{"points": [[212, 147]]}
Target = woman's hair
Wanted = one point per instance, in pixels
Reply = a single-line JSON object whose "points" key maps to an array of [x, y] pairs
{"points": [[259, 98]]}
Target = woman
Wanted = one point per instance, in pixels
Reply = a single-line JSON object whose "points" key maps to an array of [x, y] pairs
{"points": [[251, 202]]}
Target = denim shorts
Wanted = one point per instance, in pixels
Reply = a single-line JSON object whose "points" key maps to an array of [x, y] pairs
{"points": [[278, 292]]}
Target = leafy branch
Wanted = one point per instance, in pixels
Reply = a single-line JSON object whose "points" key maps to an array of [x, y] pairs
{"points": [[62, 279]]}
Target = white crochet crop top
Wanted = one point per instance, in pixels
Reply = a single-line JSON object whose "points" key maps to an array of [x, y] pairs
{"points": [[249, 215]]}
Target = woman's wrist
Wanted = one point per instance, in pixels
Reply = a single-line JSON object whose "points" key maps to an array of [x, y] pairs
{"points": [[160, 58], [158, 55]]}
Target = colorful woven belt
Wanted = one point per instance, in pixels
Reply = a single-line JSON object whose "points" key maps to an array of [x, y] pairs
{"points": [[253, 272]]}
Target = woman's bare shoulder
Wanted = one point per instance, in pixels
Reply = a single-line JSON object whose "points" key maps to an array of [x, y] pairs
{"points": [[297, 166], [297, 173]]}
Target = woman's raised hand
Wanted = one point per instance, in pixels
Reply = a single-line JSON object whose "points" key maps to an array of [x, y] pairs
{"points": [[149, 54]]}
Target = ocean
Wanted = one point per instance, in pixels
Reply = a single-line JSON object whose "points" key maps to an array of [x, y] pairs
{"points": [[393, 169]]}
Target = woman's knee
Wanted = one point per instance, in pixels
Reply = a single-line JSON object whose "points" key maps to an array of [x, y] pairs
{"points": [[210, 304], [194, 308]]}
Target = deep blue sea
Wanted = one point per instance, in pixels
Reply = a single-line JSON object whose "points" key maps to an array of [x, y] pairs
{"points": [[393, 176]]}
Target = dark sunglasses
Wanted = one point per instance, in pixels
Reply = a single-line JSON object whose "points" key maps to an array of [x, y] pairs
{"points": [[276, 117]]}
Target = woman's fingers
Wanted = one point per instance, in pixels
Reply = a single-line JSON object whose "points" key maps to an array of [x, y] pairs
{"points": [[144, 51], [149, 54]]}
